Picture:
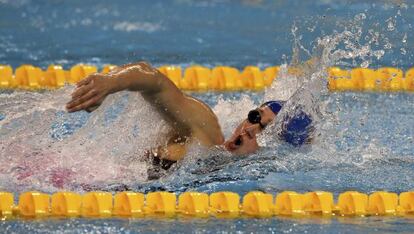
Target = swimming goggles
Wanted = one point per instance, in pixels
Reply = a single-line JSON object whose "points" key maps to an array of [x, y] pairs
{"points": [[254, 117]]}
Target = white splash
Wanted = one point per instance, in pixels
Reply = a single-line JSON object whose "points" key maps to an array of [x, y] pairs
{"points": [[107, 149], [126, 26]]}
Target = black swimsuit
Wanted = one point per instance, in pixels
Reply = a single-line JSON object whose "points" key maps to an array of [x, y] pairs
{"points": [[163, 163], [159, 167]]}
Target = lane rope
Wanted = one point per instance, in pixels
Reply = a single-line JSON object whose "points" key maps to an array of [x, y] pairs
{"points": [[202, 205], [219, 78]]}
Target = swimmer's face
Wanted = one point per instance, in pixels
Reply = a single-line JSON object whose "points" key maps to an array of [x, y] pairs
{"points": [[244, 141]]}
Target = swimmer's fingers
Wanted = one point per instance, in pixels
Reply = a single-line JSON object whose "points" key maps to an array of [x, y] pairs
{"points": [[85, 81], [80, 100], [80, 91], [95, 100], [92, 108]]}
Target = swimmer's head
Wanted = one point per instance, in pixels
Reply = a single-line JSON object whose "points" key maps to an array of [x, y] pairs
{"points": [[243, 140]]}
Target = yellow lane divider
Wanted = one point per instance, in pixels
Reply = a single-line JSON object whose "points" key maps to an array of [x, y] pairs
{"points": [[196, 204], [221, 78]]}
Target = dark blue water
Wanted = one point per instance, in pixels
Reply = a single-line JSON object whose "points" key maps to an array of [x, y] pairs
{"points": [[369, 143]]}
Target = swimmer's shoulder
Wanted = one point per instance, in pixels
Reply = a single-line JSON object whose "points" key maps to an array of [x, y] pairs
{"points": [[206, 125]]}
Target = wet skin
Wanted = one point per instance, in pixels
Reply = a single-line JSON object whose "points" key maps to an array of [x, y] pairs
{"points": [[244, 139]]}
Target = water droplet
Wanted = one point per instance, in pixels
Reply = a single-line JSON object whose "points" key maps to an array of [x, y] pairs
{"points": [[388, 45], [403, 6], [365, 64], [391, 24], [404, 40], [360, 17]]}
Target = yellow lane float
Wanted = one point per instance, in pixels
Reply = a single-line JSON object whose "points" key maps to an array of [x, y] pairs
{"points": [[219, 78], [223, 204]]}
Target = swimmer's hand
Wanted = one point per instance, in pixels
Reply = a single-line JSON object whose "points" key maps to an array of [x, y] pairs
{"points": [[90, 92]]}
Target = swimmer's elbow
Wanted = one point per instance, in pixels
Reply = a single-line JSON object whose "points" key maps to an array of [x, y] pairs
{"points": [[142, 77], [219, 140]]}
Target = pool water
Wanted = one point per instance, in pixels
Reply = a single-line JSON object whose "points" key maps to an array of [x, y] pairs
{"points": [[216, 32], [364, 141]]}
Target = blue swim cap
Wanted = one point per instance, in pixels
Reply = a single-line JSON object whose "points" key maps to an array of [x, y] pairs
{"points": [[275, 106], [297, 129]]}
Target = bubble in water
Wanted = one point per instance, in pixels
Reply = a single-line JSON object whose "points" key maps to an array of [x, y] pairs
{"points": [[391, 23], [404, 6], [365, 64], [378, 54], [360, 17], [387, 44], [312, 28], [404, 40]]}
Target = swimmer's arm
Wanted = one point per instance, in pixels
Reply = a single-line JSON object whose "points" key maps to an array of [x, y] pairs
{"points": [[112, 72], [137, 77], [119, 68], [92, 90], [158, 90]]}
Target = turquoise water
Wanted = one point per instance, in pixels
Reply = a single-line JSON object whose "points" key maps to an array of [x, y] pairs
{"points": [[364, 141]]}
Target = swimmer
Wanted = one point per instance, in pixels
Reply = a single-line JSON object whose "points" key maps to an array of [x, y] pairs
{"points": [[190, 118]]}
